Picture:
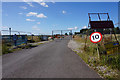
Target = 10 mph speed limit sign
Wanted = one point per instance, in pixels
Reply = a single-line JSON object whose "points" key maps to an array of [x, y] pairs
{"points": [[96, 37]]}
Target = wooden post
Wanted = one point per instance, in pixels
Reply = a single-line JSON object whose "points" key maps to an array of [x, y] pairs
{"points": [[98, 51]]}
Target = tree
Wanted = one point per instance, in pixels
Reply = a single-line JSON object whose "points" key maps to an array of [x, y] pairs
{"points": [[77, 33], [117, 28], [66, 34], [83, 30], [70, 33]]}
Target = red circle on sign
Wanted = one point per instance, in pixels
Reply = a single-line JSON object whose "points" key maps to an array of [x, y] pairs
{"points": [[97, 41]]}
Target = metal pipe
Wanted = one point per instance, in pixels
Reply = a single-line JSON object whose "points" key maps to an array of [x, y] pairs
{"points": [[97, 13], [99, 17]]}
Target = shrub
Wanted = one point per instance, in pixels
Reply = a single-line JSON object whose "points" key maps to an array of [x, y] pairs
{"points": [[5, 49]]}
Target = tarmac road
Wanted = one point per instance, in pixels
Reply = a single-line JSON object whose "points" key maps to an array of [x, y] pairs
{"points": [[49, 60]]}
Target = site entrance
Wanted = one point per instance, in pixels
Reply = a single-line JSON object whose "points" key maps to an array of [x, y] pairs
{"points": [[62, 34]]}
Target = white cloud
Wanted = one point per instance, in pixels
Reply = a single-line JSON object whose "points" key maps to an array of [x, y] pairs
{"points": [[30, 4], [4, 27], [35, 28], [64, 12], [84, 27], [75, 28], [29, 20], [53, 1], [70, 28], [23, 7], [32, 14], [24, 0], [37, 0], [38, 22], [43, 4], [41, 15], [20, 13]]}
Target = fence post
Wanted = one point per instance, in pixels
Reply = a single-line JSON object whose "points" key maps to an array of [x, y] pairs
{"points": [[71, 34], [61, 34], [10, 32], [52, 35]]}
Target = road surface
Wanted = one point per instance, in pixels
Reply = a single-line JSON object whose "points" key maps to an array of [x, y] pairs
{"points": [[49, 60]]}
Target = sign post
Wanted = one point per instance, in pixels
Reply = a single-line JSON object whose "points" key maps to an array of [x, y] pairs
{"points": [[95, 38]]}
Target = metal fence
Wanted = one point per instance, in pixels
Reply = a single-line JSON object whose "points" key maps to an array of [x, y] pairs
{"points": [[8, 40]]}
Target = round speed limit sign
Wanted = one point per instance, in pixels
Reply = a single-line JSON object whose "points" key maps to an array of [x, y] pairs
{"points": [[96, 37]]}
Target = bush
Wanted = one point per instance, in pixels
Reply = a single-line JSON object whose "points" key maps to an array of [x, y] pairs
{"points": [[5, 49], [112, 61]]}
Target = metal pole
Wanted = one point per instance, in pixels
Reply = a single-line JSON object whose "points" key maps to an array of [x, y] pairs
{"points": [[10, 32], [71, 34], [19, 33], [52, 34], [108, 16], [115, 35], [99, 17], [98, 51], [61, 34]]}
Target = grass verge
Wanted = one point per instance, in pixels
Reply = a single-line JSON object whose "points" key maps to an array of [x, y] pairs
{"points": [[107, 67], [9, 49]]}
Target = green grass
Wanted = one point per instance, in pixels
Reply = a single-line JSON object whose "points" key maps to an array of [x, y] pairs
{"points": [[6, 49], [90, 56], [9, 49]]}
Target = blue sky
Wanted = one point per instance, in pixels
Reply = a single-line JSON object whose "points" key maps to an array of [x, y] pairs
{"points": [[44, 17]]}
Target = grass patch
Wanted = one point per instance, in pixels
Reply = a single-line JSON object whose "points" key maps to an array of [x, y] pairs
{"points": [[7, 48], [107, 66]]}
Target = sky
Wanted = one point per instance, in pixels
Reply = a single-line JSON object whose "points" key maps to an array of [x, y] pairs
{"points": [[43, 17]]}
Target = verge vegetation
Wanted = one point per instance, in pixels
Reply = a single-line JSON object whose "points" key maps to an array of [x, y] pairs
{"points": [[107, 66]]}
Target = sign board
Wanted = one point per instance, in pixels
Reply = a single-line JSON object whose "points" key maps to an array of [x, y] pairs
{"points": [[95, 37], [112, 47], [101, 24]]}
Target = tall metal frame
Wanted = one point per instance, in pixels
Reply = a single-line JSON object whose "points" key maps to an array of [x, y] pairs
{"points": [[108, 22]]}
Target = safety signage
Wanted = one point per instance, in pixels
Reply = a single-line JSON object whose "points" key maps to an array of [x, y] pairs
{"points": [[96, 37]]}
